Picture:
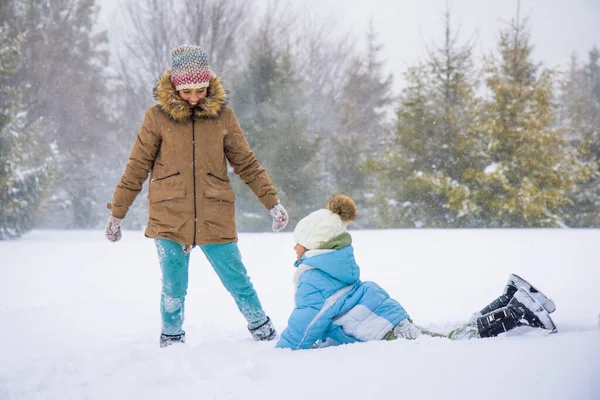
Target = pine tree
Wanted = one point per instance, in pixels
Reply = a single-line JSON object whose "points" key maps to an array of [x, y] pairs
{"points": [[62, 64], [421, 178], [365, 99], [322, 54], [594, 72], [529, 168], [269, 105], [406, 154], [26, 164], [581, 120]]}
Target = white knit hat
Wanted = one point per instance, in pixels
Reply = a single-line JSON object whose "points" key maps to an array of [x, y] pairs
{"points": [[323, 225], [317, 228]]}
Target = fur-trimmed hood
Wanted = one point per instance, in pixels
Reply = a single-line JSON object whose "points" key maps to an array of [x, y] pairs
{"points": [[178, 109]]}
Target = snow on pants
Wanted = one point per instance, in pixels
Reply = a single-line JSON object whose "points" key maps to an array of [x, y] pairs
{"points": [[226, 261]]}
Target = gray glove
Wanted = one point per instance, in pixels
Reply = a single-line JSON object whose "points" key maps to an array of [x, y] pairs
{"points": [[280, 217], [113, 229], [407, 330]]}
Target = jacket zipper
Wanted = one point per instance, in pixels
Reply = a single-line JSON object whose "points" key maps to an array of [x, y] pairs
{"points": [[216, 177], [194, 175], [165, 177]]}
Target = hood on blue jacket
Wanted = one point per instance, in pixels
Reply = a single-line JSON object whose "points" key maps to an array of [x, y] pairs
{"points": [[340, 264]]}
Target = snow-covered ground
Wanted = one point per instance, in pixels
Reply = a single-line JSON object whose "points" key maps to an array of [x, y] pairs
{"points": [[79, 320]]}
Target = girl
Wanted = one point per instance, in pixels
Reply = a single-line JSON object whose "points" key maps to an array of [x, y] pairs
{"points": [[333, 306]]}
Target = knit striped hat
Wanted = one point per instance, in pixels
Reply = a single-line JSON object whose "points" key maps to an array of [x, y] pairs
{"points": [[189, 67]]}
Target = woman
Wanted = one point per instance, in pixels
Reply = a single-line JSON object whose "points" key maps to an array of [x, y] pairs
{"points": [[184, 144]]}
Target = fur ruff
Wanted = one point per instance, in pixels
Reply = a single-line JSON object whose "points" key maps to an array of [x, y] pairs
{"points": [[178, 109]]}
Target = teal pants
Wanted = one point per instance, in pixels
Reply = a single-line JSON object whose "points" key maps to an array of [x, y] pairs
{"points": [[226, 261]]}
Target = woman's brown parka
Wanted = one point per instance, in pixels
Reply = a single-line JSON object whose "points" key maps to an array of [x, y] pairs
{"points": [[191, 200]]}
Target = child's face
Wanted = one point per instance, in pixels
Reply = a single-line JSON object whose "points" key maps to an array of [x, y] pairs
{"points": [[300, 250]]}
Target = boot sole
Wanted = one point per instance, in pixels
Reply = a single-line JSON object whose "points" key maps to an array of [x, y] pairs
{"points": [[525, 298], [544, 300], [168, 340]]}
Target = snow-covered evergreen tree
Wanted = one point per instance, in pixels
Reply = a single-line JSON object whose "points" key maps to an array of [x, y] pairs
{"points": [[62, 65], [529, 168], [26, 162], [581, 119], [421, 176], [269, 104], [365, 100]]}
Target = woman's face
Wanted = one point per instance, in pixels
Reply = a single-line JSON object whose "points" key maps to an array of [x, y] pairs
{"points": [[300, 250], [193, 96]]}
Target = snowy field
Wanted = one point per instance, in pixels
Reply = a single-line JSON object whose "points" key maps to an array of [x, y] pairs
{"points": [[79, 320]]}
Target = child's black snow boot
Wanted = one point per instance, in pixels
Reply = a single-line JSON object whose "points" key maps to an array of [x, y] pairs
{"points": [[522, 310], [514, 283], [167, 340], [264, 332]]}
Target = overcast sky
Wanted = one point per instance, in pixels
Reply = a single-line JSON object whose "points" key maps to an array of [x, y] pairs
{"points": [[558, 27]]}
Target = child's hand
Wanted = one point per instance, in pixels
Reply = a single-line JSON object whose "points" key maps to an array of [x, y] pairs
{"points": [[280, 217]]}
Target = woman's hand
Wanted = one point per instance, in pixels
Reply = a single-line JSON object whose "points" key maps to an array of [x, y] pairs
{"points": [[280, 217], [113, 229]]}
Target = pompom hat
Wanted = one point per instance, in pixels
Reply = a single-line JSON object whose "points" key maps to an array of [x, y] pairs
{"points": [[322, 225], [189, 67]]}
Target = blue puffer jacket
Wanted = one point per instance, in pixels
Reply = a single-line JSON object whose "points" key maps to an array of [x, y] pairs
{"points": [[333, 305]]}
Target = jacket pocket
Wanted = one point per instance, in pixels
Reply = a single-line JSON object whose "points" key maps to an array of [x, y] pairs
{"points": [[166, 187], [225, 195], [162, 178], [168, 209], [219, 213], [217, 177], [156, 195]]}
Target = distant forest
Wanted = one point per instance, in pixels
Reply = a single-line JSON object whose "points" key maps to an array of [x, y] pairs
{"points": [[497, 141]]}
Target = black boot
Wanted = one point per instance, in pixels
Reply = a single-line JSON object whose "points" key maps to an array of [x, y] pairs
{"points": [[514, 283], [264, 332], [167, 340], [522, 310]]}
